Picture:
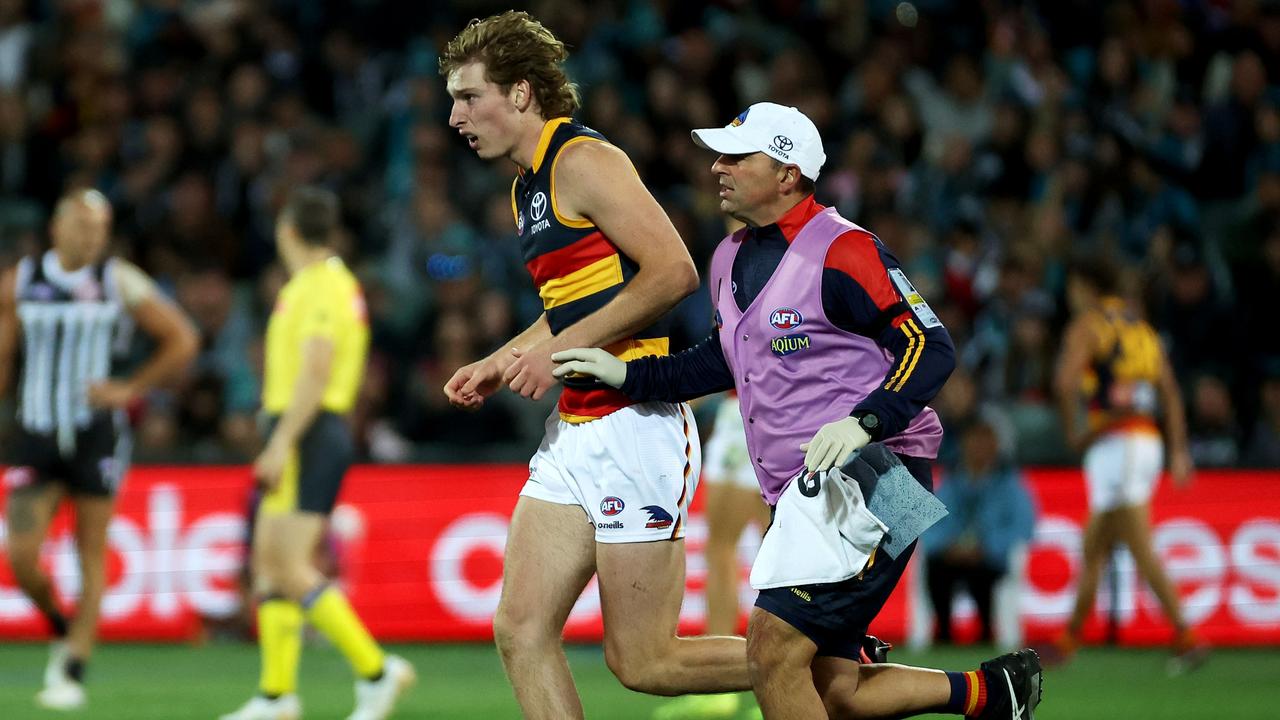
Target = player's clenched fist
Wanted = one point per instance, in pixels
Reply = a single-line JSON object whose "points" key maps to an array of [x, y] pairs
{"points": [[471, 384], [591, 361]]}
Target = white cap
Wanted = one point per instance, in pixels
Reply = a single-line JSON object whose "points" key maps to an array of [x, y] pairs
{"points": [[783, 133]]}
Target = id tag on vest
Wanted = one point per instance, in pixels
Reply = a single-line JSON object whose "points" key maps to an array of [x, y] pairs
{"points": [[923, 312]]}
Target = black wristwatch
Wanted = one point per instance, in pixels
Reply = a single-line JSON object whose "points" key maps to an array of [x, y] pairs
{"points": [[869, 422]]}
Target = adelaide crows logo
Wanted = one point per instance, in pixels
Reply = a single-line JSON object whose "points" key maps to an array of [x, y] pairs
{"points": [[658, 518]]}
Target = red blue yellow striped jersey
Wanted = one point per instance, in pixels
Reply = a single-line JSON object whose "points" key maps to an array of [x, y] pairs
{"points": [[1124, 372], [575, 267]]}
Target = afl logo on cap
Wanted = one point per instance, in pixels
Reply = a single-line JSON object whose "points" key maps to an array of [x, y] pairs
{"points": [[785, 318]]}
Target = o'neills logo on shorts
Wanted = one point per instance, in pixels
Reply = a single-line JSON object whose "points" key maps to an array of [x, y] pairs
{"points": [[787, 344], [615, 525]]}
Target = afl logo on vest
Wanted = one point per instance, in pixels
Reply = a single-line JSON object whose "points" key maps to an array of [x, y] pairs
{"points": [[785, 318]]}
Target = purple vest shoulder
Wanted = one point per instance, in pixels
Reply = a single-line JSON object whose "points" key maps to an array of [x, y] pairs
{"points": [[794, 370]]}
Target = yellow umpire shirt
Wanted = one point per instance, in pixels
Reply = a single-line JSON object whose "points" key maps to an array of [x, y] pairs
{"points": [[322, 300]]}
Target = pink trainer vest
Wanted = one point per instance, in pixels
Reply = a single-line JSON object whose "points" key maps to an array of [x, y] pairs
{"points": [[793, 369]]}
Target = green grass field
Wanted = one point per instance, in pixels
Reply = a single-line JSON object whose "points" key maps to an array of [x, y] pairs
{"points": [[137, 682]]}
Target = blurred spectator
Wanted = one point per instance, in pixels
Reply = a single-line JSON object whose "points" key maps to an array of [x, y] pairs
{"points": [[1191, 312], [990, 513], [957, 111], [455, 341], [1264, 440], [16, 36], [223, 395], [1212, 430], [1012, 347], [957, 405], [1230, 137]]}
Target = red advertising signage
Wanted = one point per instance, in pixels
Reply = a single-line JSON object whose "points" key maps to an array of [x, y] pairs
{"points": [[419, 550]]}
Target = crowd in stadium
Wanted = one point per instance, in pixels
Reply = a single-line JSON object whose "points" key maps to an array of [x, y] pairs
{"points": [[983, 142]]}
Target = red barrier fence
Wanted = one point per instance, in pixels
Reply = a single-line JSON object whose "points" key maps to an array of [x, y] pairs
{"points": [[420, 550]]}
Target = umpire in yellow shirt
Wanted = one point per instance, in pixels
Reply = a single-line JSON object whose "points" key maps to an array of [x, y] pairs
{"points": [[316, 345]]}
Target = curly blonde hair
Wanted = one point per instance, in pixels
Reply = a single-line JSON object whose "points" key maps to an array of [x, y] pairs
{"points": [[514, 47]]}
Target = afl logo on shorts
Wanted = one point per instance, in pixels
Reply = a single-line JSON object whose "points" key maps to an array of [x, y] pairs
{"points": [[611, 506], [785, 318]]}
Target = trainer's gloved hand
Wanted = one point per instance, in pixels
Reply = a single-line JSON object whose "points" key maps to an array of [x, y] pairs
{"points": [[591, 361], [833, 444]]}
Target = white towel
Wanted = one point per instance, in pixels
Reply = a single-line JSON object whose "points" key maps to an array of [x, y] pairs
{"points": [[822, 539]]}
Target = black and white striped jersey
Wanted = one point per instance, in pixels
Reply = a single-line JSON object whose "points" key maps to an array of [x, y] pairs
{"points": [[73, 329]]}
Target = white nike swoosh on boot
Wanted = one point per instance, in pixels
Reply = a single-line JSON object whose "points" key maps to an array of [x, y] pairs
{"points": [[1013, 698]]}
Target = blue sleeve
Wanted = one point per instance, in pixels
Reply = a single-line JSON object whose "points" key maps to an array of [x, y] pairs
{"points": [[924, 355], [924, 358], [700, 370]]}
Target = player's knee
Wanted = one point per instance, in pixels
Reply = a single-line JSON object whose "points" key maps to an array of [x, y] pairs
{"points": [[636, 670], [286, 574], [840, 706], [517, 626], [26, 567], [296, 583]]}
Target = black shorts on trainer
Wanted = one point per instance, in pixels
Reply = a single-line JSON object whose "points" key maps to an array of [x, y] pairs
{"points": [[835, 616], [95, 466], [312, 478]]}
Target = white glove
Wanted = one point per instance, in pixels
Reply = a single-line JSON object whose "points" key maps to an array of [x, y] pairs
{"points": [[591, 361], [833, 444]]}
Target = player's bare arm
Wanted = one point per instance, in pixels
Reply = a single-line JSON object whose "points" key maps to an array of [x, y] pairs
{"points": [[1077, 348], [471, 384], [596, 181], [8, 327], [308, 393], [177, 345], [1175, 424]]}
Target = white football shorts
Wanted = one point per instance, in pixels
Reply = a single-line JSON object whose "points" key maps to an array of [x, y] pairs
{"points": [[1121, 469], [633, 472], [727, 461]]}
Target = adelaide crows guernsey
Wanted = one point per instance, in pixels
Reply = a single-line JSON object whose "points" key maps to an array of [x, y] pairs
{"points": [[576, 269], [1123, 375]]}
